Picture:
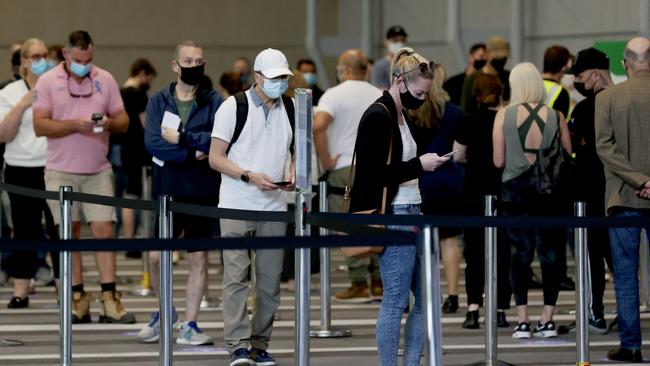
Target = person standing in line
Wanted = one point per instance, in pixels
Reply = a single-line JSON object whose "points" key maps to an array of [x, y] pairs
{"points": [[622, 125], [308, 69], [396, 38], [77, 105], [475, 61], [335, 129]]}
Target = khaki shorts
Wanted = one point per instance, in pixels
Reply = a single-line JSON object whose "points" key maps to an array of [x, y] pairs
{"points": [[100, 183]]}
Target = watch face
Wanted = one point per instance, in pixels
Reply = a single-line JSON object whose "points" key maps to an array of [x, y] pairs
{"points": [[244, 178]]}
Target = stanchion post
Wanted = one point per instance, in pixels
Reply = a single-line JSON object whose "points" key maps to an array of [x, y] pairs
{"points": [[166, 278], [645, 275], [326, 330], [582, 304], [145, 220], [431, 290], [65, 267]]}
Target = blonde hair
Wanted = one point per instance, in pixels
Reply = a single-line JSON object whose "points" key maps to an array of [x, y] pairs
{"points": [[409, 66], [433, 109], [526, 84], [24, 52]]}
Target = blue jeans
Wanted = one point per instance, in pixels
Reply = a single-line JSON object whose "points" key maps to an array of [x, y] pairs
{"points": [[625, 257], [400, 273]]}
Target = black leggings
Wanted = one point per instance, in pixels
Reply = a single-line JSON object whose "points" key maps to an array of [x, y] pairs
{"points": [[26, 214]]}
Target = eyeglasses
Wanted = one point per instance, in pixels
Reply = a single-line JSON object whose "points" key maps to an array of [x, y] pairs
{"points": [[38, 56], [92, 89], [191, 62]]}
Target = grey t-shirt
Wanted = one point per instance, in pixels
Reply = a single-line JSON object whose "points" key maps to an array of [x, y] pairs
{"points": [[380, 76]]}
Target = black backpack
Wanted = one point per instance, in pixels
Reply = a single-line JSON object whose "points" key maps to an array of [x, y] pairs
{"points": [[242, 114]]}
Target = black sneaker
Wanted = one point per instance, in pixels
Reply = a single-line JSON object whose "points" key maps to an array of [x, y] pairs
{"points": [[598, 326], [502, 322], [625, 355], [545, 331], [522, 331], [471, 320], [565, 329], [450, 305], [18, 303]]}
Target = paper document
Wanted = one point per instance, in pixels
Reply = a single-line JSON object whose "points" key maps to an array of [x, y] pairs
{"points": [[171, 121], [160, 163]]}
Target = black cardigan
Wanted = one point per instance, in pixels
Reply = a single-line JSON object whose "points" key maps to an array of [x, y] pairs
{"points": [[371, 172]]}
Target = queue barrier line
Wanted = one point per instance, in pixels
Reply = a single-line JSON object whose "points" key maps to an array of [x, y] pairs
{"points": [[232, 214]]}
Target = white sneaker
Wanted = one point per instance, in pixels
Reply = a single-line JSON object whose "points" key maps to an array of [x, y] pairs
{"points": [[151, 332], [190, 333]]}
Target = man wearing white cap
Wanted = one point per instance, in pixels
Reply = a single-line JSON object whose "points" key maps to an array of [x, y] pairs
{"points": [[251, 159]]}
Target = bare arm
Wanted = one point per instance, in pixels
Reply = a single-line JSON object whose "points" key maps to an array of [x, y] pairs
{"points": [[11, 122], [44, 125], [322, 121], [461, 155], [565, 137], [499, 140], [219, 162], [117, 122]]}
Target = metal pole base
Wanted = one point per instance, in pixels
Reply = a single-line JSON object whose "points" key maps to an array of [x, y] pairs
{"points": [[209, 302], [10, 342], [332, 332], [644, 309], [141, 291], [495, 363]]}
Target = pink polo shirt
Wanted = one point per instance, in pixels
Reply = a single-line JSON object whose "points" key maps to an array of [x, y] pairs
{"points": [[77, 153]]}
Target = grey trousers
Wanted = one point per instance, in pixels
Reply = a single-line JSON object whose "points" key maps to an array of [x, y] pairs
{"points": [[240, 331]]}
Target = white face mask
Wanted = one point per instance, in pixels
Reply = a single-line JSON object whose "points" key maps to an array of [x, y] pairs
{"points": [[393, 47]]}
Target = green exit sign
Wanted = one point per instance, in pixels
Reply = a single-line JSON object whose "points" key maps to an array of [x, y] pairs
{"points": [[614, 50]]}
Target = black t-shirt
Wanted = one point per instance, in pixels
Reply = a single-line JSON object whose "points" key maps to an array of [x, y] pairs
{"points": [[563, 101], [134, 154], [454, 87], [481, 176], [589, 176]]}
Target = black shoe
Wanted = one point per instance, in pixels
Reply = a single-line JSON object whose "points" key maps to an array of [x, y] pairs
{"points": [[18, 303], [546, 330], [564, 329], [598, 326], [133, 254], [502, 322], [625, 355], [522, 331], [450, 305], [471, 320], [567, 284]]}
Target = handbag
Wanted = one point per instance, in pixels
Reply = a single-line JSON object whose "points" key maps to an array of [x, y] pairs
{"points": [[365, 251]]}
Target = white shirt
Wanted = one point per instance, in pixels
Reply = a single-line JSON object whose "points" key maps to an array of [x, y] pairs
{"points": [[262, 147], [346, 103], [408, 192], [25, 150]]}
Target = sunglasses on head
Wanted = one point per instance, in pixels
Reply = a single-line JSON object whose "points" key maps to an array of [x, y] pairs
{"points": [[424, 67]]}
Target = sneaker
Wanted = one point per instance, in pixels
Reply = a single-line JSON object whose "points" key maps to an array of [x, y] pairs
{"points": [[522, 331], [190, 333], [502, 322], [545, 331], [471, 320], [625, 355], [598, 326], [151, 332], [112, 309], [358, 293], [376, 288], [450, 305], [43, 276], [261, 358], [241, 356], [81, 307], [18, 303]]}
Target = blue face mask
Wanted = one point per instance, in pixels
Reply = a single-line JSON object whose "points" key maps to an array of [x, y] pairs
{"points": [[40, 67], [274, 88], [79, 69], [310, 78]]}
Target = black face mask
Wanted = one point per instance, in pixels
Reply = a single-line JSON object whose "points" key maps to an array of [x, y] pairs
{"points": [[499, 63], [478, 64], [192, 75], [408, 100], [580, 87]]}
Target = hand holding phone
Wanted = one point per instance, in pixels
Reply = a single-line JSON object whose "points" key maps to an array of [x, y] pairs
{"points": [[450, 154], [97, 118], [282, 184]]}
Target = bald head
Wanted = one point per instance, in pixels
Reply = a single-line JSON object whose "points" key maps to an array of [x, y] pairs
{"points": [[352, 65], [637, 54]]}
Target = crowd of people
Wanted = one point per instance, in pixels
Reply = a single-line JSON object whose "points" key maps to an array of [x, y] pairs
{"points": [[396, 136]]}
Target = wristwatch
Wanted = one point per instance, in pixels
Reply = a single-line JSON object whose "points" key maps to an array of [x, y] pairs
{"points": [[244, 177]]}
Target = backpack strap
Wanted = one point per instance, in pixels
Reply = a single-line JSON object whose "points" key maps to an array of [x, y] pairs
{"points": [[291, 113], [242, 115], [533, 116]]}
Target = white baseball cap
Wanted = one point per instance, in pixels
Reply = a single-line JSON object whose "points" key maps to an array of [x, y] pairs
{"points": [[272, 63]]}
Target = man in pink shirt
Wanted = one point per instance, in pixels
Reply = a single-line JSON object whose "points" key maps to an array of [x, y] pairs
{"points": [[76, 106]]}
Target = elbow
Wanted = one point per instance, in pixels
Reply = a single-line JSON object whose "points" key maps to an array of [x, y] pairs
{"points": [[498, 162], [38, 131], [214, 162]]}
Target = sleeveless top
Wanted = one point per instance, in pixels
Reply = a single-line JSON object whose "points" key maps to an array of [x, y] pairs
{"points": [[515, 137]]}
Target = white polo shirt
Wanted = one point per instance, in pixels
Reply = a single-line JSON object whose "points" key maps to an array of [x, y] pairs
{"points": [[25, 150], [346, 103], [262, 147]]}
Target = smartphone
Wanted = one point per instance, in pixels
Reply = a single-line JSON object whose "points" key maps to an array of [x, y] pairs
{"points": [[282, 184], [97, 117], [449, 154]]}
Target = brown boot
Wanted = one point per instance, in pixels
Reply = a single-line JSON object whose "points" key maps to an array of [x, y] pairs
{"points": [[81, 307], [358, 293], [112, 309], [376, 288]]}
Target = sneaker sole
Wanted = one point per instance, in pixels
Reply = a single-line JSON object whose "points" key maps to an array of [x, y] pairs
{"points": [[521, 335], [242, 361], [186, 342], [150, 340], [355, 300], [269, 363], [85, 319], [598, 330], [546, 334], [125, 320]]}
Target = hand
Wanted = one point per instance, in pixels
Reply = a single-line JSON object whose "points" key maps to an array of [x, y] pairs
{"points": [[27, 99], [292, 179], [262, 181], [200, 155], [431, 161], [170, 135], [83, 126], [330, 163], [106, 123], [645, 191]]}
